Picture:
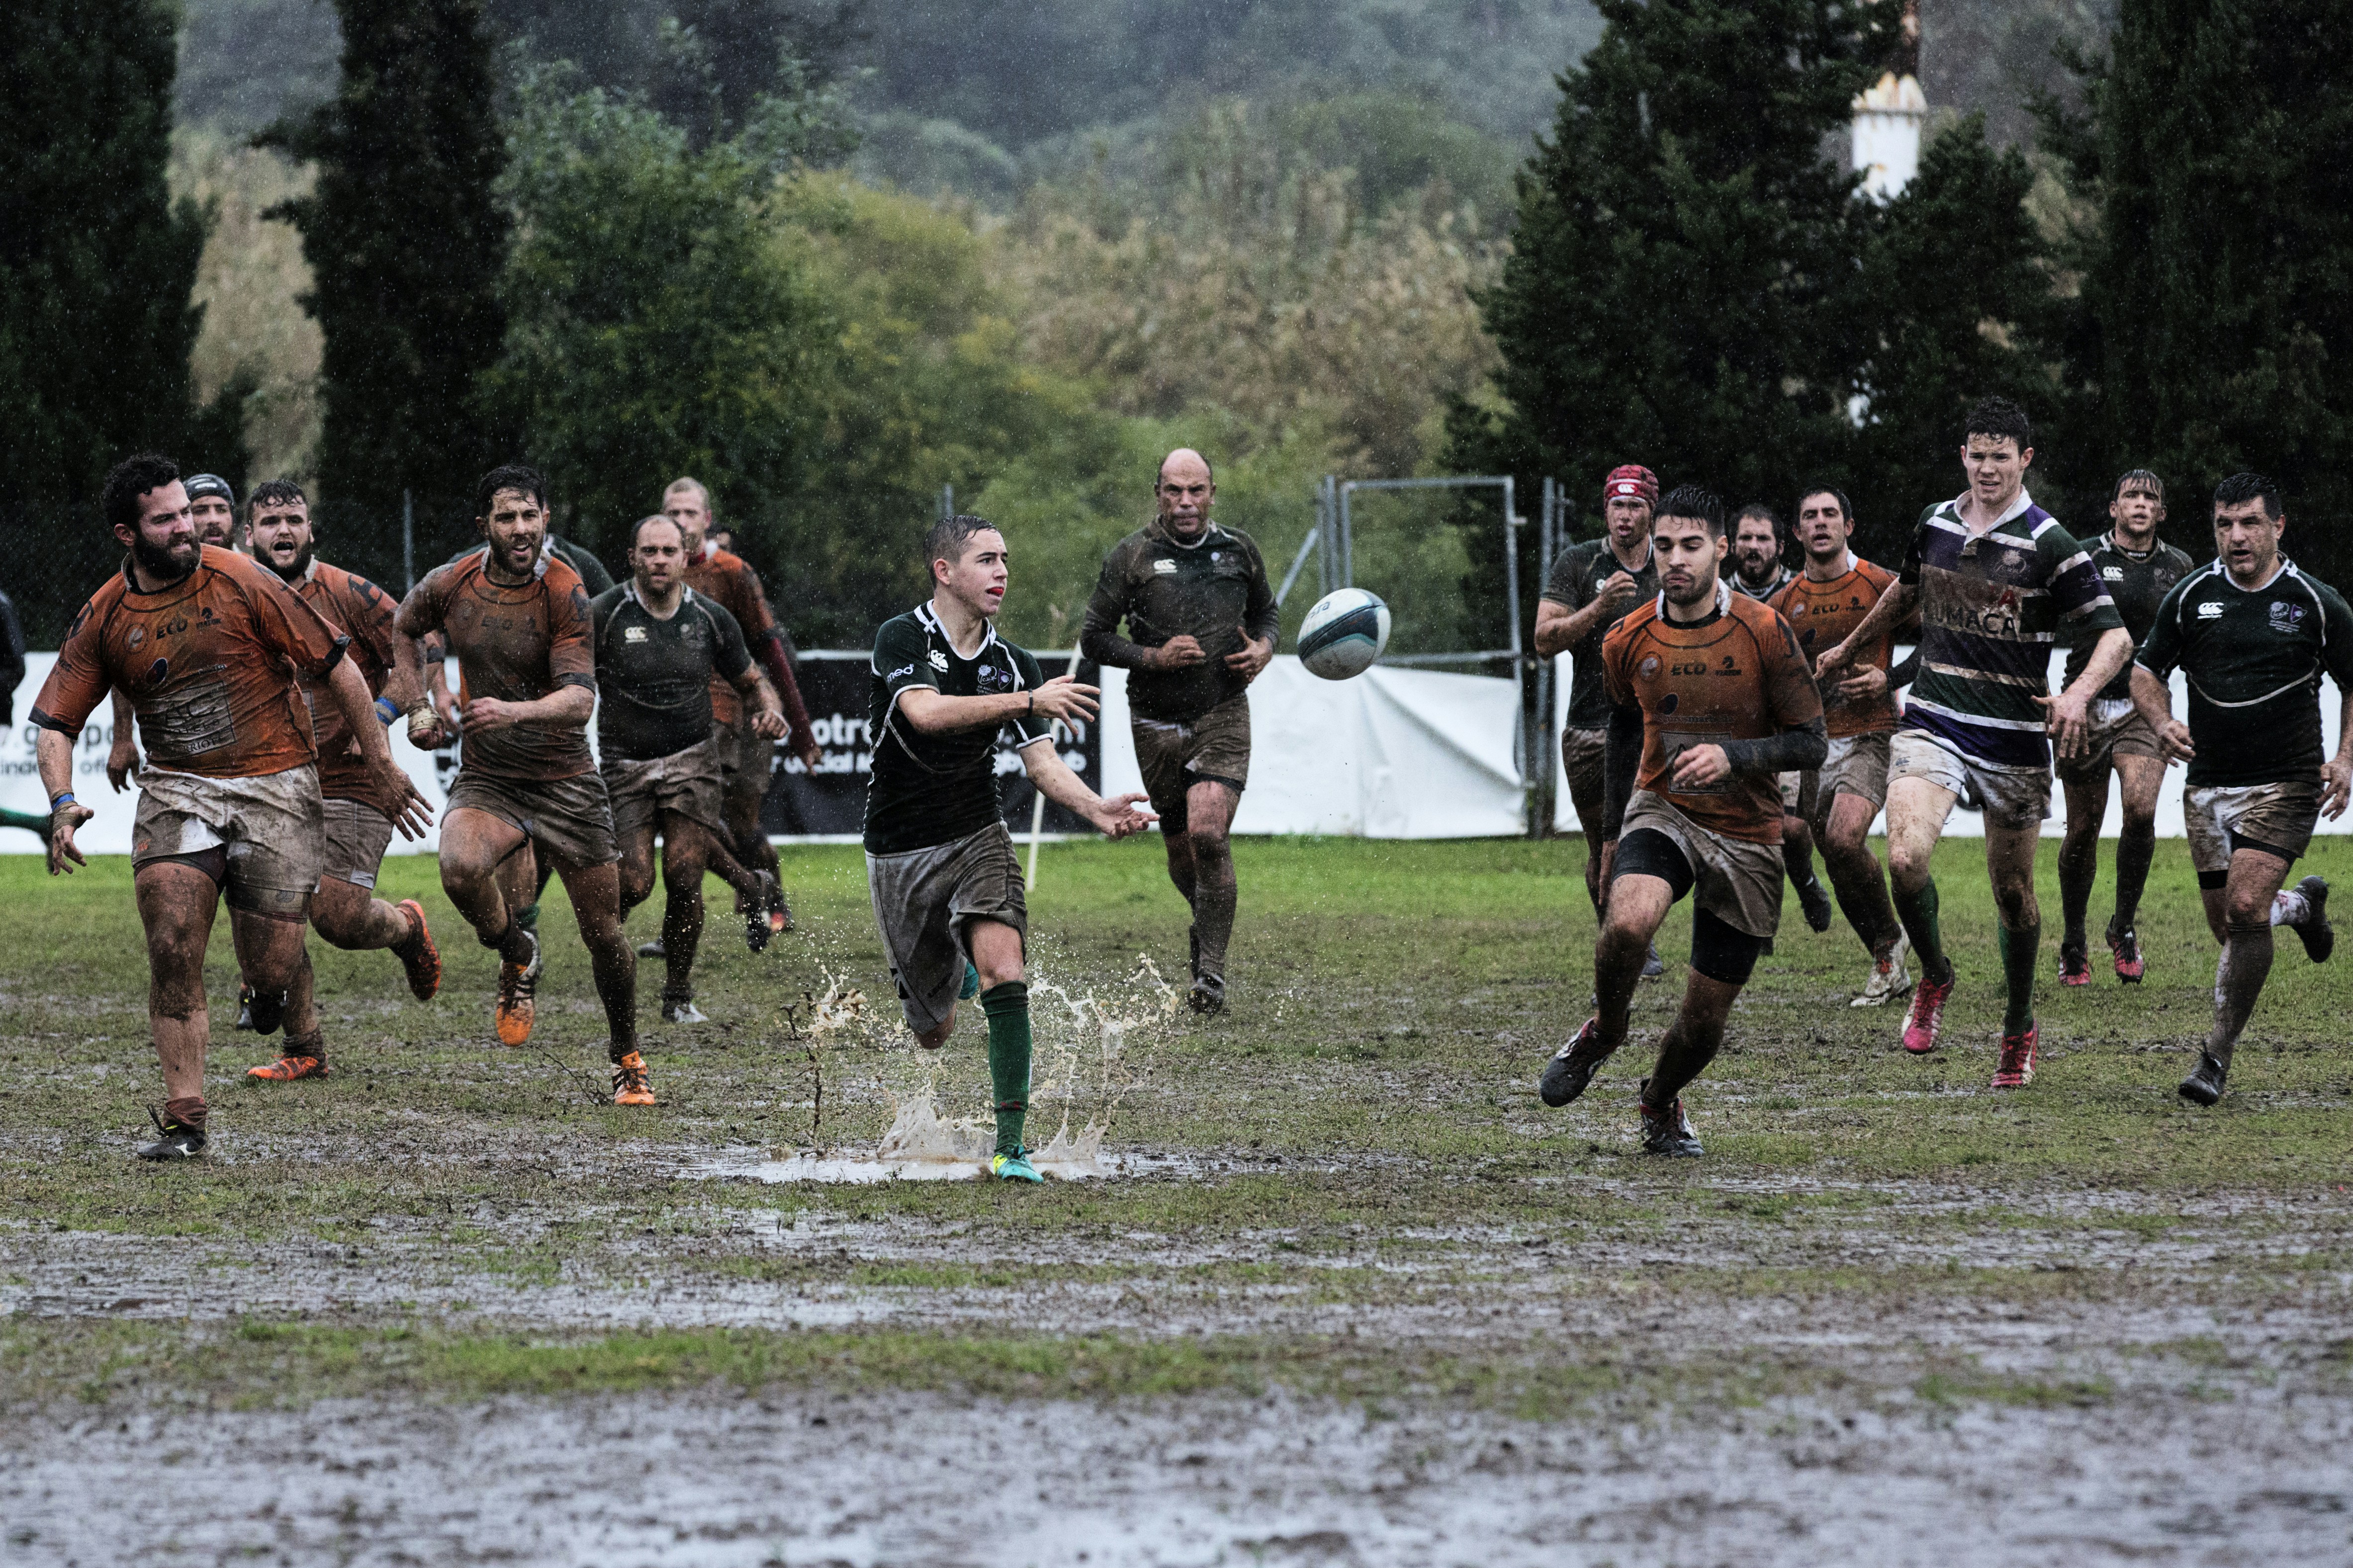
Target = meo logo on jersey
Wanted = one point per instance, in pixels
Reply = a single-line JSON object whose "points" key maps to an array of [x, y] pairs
{"points": [[939, 661], [2209, 610]]}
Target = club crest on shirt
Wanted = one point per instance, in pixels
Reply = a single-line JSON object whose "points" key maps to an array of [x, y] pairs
{"points": [[2286, 617], [1647, 667], [988, 675]]}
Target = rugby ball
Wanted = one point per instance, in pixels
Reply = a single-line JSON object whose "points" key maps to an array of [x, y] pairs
{"points": [[1343, 634]]}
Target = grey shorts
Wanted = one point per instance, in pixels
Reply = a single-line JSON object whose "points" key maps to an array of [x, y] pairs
{"points": [[686, 784], [1212, 749], [261, 839], [1737, 880], [571, 819], [1856, 765], [357, 837], [925, 901], [2009, 797], [2278, 817], [1581, 760], [2116, 730]]}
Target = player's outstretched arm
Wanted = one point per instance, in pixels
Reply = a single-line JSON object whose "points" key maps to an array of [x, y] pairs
{"points": [[931, 713], [1885, 615], [1115, 818], [2069, 711]]}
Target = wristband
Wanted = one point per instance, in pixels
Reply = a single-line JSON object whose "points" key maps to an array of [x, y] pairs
{"points": [[387, 709], [1033, 705], [62, 799]]}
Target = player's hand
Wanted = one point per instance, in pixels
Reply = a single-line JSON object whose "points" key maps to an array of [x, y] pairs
{"points": [[428, 731], [121, 762], [1252, 658], [397, 798], [2173, 738], [809, 752], [1832, 660], [1701, 766], [1179, 653], [491, 713], [1063, 698], [62, 823], [1863, 686], [1619, 591], [2336, 786], [1119, 817], [2067, 722], [768, 726], [447, 707]]}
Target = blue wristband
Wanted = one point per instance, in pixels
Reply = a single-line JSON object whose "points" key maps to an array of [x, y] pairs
{"points": [[62, 799], [386, 709]]}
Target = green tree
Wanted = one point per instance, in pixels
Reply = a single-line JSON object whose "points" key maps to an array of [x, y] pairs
{"points": [[405, 241], [95, 259], [2216, 316]]}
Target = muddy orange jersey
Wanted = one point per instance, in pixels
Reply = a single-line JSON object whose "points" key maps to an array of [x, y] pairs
{"points": [[210, 665], [727, 579], [1737, 676], [1822, 614], [362, 612], [517, 644]]}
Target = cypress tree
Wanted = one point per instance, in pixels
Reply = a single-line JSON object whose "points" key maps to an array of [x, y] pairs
{"points": [[406, 240]]}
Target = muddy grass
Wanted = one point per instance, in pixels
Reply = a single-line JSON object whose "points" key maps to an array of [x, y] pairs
{"points": [[1347, 1292]]}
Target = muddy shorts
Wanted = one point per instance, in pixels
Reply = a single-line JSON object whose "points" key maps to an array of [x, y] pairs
{"points": [[1581, 752], [260, 839], [747, 759], [1737, 880], [1213, 749], [2116, 730], [357, 837], [571, 819], [2009, 797], [1856, 765], [686, 784], [2276, 818], [925, 901]]}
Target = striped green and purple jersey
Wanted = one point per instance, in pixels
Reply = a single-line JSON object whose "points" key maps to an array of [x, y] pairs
{"points": [[1991, 608]]}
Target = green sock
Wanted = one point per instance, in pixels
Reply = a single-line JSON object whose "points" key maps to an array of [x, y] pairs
{"points": [[1919, 913], [527, 917], [2020, 949], [31, 822], [1007, 1006]]}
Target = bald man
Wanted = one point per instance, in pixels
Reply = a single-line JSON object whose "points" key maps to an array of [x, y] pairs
{"points": [[1203, 624]]}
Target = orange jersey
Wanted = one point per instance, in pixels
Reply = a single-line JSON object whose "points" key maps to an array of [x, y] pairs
{"points": [[1737, 676], [210, 665], [516, 644], [727, 579], [1822, 614], [362, 612]]}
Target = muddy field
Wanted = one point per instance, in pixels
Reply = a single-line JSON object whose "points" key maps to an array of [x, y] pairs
{"points": [[1343, 1290]]}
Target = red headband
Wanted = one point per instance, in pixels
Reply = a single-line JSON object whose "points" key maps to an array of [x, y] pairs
{"points": [[1631, 480]]}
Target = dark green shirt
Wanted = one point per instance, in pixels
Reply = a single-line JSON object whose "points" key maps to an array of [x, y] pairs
{"points": [[933, 789], [1211, 591], [1577, 573], [2138, 584], [653, 675], [2252, 659]]}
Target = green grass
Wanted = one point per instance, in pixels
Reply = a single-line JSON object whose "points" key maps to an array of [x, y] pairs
{"points": [[1371, 1090]]}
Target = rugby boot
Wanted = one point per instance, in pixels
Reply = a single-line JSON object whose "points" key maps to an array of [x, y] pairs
{"points": [[681, 1010], [517, 986], [244, 1006], [2205, 1084], [630, 1084], [1208, 995], [1667, 1130], [651, 949], [1014, 1167], [286, 1069], [1890, 976], [759, 915], [2015, 1069], [2125, 946], [420, 959], [2319, 936], [175, 1140], [1573, 1066], [1653, 966], [1815, 904], [2074, 964], [1927, 1019]]}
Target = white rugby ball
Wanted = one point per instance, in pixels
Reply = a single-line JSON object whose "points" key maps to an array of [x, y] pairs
{"points": [[1343, 634]]}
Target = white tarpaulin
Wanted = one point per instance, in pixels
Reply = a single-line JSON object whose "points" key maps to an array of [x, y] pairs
{"points": [[1394, 754], [1970, 823]]}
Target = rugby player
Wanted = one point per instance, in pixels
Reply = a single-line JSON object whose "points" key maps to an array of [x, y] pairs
{"points": [[945, 882], [1202, 623], [12, 675], [659, 643], [1822, 604], [1760, 566], [1708, 690], [2253, 634], [208, 643], [2139, 570], [1993, 578], [518, 619], [748, 755], [1760, 570], [1590, 586], [344, 909], [215, 508]]}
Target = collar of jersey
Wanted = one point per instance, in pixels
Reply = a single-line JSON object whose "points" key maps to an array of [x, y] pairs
{"points": [[1844, 571], [1723, 604], [930, 623], [629, 591], [2017, 509], [1160, 533]]}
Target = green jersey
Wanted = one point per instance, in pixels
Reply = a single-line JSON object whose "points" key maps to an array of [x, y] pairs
{"points": [[930, 789], [1213, 589], [1577, 573], [653, 675], [2252, 659], [2137, 584]]}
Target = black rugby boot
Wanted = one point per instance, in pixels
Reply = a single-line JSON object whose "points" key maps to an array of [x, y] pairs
{"points": [[2319, 936], [1573, 1066], [175, 1140], [2204, 1086], [1667, 1130]]}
